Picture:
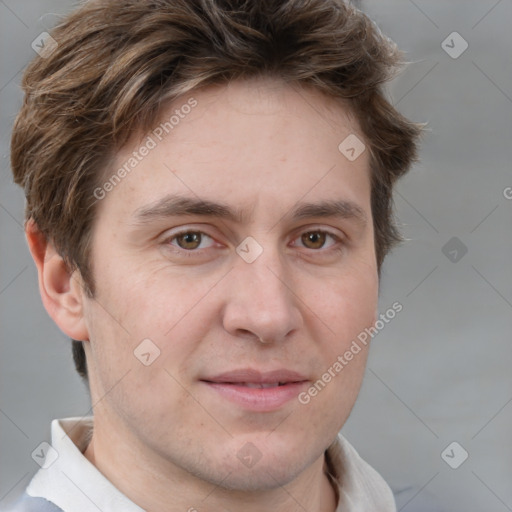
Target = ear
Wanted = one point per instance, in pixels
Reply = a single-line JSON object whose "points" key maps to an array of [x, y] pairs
{"points": [[61, 290]]}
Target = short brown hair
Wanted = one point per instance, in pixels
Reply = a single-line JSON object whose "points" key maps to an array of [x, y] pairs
{"points": [[117, 63]]}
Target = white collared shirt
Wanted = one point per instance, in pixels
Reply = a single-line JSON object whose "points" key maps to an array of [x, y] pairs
{"points": [[72, 484]]}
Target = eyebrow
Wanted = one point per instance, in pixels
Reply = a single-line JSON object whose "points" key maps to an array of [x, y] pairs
{"points": [[176, 205]]}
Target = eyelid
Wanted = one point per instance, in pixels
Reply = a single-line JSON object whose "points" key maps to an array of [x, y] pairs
{"points": [[321, 228], [187, 228]]}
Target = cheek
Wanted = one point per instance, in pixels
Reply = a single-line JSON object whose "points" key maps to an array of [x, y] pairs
{"points": [[138, 350], [342, 311], [141, 298], [346, 305], [148, 309]]}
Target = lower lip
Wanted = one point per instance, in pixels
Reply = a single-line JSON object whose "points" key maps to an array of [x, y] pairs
{"points": [[258, 399]]}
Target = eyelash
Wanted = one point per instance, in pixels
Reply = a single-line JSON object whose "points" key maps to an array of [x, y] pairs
{"points": [[198, 252]]}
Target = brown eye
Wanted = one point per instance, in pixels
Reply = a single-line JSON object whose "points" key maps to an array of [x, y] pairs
{"points": [[189, 240], [314, 239]]}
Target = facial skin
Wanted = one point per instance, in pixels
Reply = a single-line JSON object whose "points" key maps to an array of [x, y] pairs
{"points": [[163, 436]]}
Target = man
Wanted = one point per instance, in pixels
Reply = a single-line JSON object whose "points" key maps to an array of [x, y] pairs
{"points": [[208, 206]]}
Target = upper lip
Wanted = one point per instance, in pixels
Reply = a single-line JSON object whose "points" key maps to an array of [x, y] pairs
{"points": [[249, 375]]}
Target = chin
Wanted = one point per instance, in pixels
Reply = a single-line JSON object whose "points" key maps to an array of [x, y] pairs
{"points": [[251, 469], [263, 477]]}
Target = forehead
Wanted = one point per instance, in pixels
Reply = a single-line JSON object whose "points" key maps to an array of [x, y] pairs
{"points": [[244, 142]]}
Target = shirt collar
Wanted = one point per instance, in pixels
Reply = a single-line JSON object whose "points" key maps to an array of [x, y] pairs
{"points": [[72, 483]]}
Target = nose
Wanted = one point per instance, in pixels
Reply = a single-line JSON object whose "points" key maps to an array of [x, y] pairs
{"points": [[261, 304]]}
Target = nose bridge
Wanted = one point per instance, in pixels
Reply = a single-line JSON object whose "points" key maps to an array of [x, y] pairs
{"points": [[264, 277], [261, 300]]}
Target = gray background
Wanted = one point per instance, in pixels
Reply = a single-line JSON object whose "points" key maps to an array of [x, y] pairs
{"points": [[439, 372]]}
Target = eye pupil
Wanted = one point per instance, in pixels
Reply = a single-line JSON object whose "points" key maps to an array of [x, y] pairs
{"points": [[190, 240], [314, 240]]}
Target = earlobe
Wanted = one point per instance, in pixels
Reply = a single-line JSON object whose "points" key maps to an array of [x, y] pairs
{"points": [[61, 290]]}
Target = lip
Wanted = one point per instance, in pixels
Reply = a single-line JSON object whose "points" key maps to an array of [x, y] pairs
{"points": [[233, 386]]}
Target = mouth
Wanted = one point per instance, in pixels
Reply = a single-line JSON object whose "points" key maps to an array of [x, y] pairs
{"points": [[255, 385], [257, 391]]}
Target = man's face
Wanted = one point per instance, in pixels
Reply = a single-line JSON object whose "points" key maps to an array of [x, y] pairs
{"points": [[227, 312]]}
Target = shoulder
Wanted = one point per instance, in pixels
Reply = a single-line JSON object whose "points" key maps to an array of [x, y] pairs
{"points": [[27, 503]]}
